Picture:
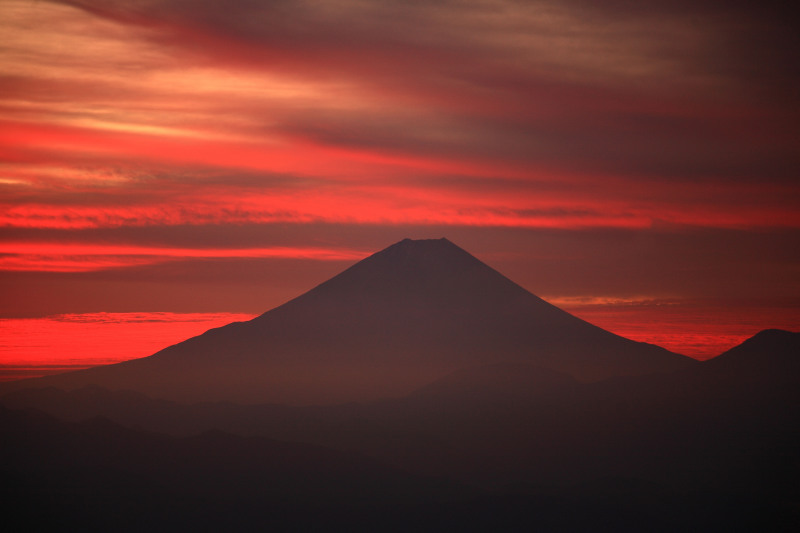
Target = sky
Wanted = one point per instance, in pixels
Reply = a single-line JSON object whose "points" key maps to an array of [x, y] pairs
{"points": [[635, 163]]}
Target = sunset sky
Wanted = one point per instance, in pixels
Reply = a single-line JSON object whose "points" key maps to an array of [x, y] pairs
{"points": [[171, 165]]}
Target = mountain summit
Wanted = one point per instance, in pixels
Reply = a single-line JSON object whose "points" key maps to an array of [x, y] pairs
{"points": [[403, 317]]}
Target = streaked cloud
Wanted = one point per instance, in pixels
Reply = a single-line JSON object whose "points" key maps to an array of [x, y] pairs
{"points": [[74, 257]]}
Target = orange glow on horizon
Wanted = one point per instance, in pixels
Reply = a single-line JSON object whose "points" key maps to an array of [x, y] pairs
{"points": [[38, 346]]}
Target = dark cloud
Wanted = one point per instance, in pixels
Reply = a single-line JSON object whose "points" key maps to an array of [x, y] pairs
{"points": [[754, 36], [666, 89]]}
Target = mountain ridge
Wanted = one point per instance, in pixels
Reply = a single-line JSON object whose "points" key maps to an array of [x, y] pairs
{"points": [[402, 317]]}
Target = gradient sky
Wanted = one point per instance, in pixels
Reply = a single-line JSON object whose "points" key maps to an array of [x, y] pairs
{"points": [[635, 162]]}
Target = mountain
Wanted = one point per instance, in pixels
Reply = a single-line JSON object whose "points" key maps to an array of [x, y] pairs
{"points": [[403, 317]]}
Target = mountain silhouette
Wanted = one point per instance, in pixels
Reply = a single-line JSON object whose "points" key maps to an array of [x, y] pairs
{"points": [[769, 349], [393, 322], [765, 365]]}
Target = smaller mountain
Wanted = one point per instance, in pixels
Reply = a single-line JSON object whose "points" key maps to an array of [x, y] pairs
{"points": [[767, 365], [769, 349]]}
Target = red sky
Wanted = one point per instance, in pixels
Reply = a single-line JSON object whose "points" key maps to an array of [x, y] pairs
{"points": [[176, 156]]}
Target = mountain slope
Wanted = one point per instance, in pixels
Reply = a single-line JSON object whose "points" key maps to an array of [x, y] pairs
{"points": [[396, 320]]}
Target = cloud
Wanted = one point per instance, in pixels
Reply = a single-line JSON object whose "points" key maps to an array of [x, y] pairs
{"points": [[84, 257], [337, 88]]}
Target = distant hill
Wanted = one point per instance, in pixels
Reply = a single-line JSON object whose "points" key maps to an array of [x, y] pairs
{"points": [[771, 350], [401, 318]]}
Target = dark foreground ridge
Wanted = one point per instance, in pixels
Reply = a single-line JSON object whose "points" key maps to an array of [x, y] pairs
{"points": [[713, 447], [401, 318]]}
